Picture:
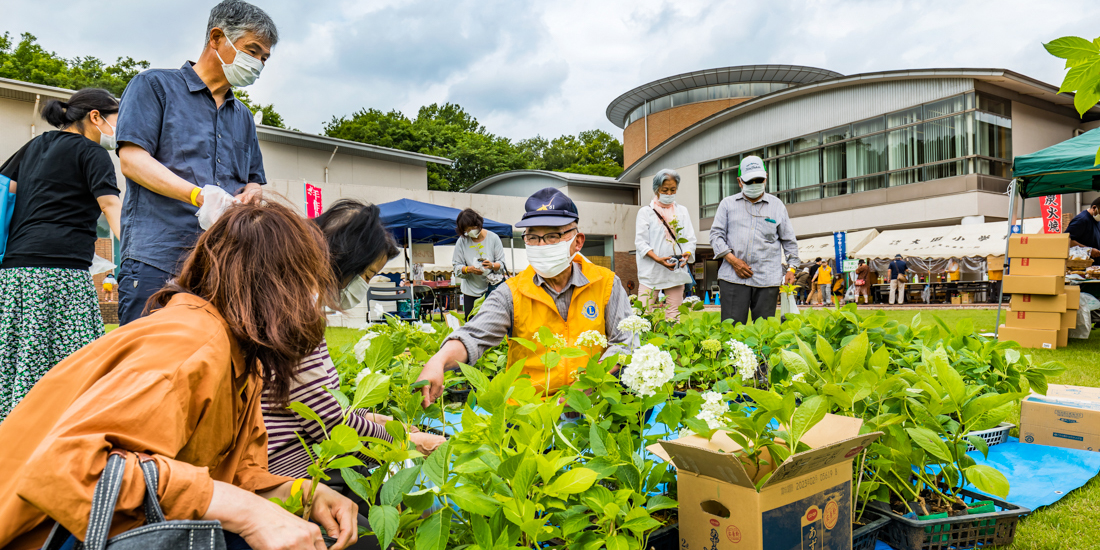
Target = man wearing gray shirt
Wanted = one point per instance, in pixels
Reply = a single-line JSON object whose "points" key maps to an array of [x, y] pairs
{"points": [[752, 233]]}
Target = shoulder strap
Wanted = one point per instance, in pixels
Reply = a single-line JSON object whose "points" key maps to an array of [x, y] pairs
{"points": [[668, 227]]}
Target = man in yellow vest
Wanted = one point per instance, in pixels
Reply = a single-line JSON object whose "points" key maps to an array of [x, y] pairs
{"points": [[560, 290]]}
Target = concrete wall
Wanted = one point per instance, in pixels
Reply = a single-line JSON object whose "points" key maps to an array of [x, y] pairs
{"points": [[290, 162], [615, 220], [521, 185], [600, 194], [668, 123], [1034, 129]]}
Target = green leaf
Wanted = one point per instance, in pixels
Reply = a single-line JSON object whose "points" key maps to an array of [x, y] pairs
{"points": [[340, 398], [400, 483], [474, 375], [379, 355], [768, 400], [345, 462], [806, 416], [434, 466], [435, 531], [1071, 47], [949, 378], [1085, 99], [825, 351], [979, 444], [304, 411], [930, 442], [384, 520], [638, 521], [853, 355], [358, 484], [483, 535], [572, 353], [346, 438], [373, 390], [531, 346], [793, 361], [618, 542], [988, 480], [660, 502], [572, 482], [474, 500]]}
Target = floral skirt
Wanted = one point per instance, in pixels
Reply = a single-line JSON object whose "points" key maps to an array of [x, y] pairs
{"points": [[45, 315]]}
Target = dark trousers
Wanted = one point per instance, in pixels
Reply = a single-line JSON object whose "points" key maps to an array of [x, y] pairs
{"points": [[738, 300], [468, 305], [137, 281]]}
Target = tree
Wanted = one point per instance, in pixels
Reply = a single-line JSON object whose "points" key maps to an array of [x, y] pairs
{"points": [[1083, 61], [271, 118]]}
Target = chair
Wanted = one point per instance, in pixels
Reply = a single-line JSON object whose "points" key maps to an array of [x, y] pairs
{"points": [[397, 295], [426, 300]]}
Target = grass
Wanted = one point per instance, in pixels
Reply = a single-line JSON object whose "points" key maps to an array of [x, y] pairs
{"points": [[1061, 526]]}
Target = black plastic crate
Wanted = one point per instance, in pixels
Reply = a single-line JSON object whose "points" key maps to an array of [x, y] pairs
{"points": [[865, 537], [665, 538], [953, 533]]}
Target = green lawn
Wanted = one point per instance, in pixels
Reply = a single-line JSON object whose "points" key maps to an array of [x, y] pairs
{"points": [[1062, 526]]}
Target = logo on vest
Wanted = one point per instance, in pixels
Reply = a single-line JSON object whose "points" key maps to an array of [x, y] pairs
{"points": [[591, 311]]}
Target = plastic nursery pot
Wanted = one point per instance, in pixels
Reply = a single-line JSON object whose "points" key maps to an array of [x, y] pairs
{"points": [[665, 538], [968, 531], [453, 395], [866, 537]]}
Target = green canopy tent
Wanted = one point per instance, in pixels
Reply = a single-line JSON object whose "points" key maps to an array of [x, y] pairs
{"points": [[1067, 167]]}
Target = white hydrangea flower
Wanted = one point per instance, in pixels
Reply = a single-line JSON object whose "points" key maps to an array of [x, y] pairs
{"points": [[377, 311], [743, 359], [635, 324], [714, 407], [800, 377], [426, 328], [649, 369], [494, 278], [591, 338], [685, 432], [691, 300], [359, 377], [362, 345]]}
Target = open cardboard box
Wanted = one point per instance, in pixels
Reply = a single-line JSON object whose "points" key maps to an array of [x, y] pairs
{"points": [[806, 503], [1067, 416]]}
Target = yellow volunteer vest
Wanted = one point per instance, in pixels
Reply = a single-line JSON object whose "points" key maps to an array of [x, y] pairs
{"points": [[534, 308]]}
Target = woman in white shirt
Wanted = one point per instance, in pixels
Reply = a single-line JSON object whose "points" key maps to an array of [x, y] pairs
{"points": [[665, 243]]}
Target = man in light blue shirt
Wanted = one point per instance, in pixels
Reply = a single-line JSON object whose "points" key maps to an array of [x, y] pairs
{"points": [[752, 233]]}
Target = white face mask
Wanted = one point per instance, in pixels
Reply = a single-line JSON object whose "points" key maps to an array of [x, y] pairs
{"points": [[354, 294], [753, 190], [549, 260], [666, 199], [243, 71], [108, 142], [1096, 217], [473, 233]]}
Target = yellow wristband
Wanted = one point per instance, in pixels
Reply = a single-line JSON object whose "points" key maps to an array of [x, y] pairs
{"points": [[194, 194], [297, 487]]}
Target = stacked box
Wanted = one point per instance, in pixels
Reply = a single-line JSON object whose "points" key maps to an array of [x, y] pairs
{"points": [[1039, 310]]}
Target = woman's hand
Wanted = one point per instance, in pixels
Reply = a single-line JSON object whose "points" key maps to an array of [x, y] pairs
{"points": [[474, 270], [668, 261], [337, 514], [262, 523], [491, 266], [426, 443]]}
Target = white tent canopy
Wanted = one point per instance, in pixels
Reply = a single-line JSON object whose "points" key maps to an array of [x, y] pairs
{"points": [[822, 247], [955, 241]]}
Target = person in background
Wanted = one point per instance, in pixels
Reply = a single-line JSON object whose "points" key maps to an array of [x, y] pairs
{"points": [[110, 288], [1084, 230], [838, 290], [560, 290], [752, 233], [63, 181], [825, 282], [803, 282], [183, 385], [188, 149], [815, 292], [663, 262], [898, 278], [863, 282], [953, 273], [478, 255]]}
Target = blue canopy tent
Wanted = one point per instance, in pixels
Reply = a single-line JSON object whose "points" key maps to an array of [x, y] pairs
{"points": [[428, 223]]}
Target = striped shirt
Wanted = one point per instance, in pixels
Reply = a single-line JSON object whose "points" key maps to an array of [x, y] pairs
{"points": [[285, 454], [759, 234]]}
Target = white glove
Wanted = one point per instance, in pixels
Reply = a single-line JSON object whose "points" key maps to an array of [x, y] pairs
{"points": [[215, 201]]}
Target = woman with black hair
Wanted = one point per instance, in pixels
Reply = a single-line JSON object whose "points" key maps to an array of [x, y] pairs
{"points": [[62, 181], [478, 259], [359, 246]]}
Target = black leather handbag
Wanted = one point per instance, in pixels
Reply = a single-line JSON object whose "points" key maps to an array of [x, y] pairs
{"points": [[156, 533]]}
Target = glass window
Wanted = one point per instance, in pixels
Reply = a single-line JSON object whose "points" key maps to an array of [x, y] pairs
{"points": [[806, 142], [904, 147], [708, 190], [835, 189], [868, 127], [837, 134], [660, 104], [709, 211], [680, 98], [762, 153], [759, 88], [778, 149], [992, 167], [721, 91], [792, 172], [776, 86], [833, 163], [708, 167], [739, 90], [943, 170], [944, 107], [901, 118], [994, 105], [731, 162], [865, 155], [903, 177], [866, 184], [992, 135], [944, 139], [697, 95], [729, 183]]}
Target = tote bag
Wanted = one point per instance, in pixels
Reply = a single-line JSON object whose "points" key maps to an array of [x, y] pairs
{"points": [[7, 206]]}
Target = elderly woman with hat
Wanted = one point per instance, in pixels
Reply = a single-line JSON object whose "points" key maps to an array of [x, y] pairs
{"points": [[665, 242]]}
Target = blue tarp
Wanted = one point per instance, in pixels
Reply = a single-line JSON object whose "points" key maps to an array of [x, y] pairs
{"points": [[430, 223]]}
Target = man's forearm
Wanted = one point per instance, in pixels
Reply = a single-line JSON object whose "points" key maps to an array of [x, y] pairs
{"points": [[141, 167], [452, 353]]}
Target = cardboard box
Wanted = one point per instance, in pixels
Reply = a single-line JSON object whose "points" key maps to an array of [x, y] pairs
{"points": [[1055, 245], [1069, 319], [1032, 302], [1063, 337], [956, 300], [1041, 320], [1037, 266], [806, 503], [1067, 416], [1029, 337], [967, 298], [1073, 297], [1035, 284]]}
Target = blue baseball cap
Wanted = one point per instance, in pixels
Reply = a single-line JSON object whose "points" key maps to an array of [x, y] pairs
{"points": [[548, 208]]}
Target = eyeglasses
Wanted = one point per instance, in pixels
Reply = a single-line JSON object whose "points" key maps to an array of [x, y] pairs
{"points": [[754, 181], [549, 238]]}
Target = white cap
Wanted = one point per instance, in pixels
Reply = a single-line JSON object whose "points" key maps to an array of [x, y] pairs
{"points": [[752, 167]]}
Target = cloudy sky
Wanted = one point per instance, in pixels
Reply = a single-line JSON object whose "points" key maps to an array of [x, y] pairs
{"points": [[551, 67]]}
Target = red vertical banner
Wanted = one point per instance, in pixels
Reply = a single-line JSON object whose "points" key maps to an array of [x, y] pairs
{"points": [[1052, 214], [313, 201]]}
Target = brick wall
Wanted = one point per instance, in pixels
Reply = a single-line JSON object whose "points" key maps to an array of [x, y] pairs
{"points": [[627, 269], [105, 249], [668, 123]]}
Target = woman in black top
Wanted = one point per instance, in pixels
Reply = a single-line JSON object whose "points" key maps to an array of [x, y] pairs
{"points": [[62, 181]]}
